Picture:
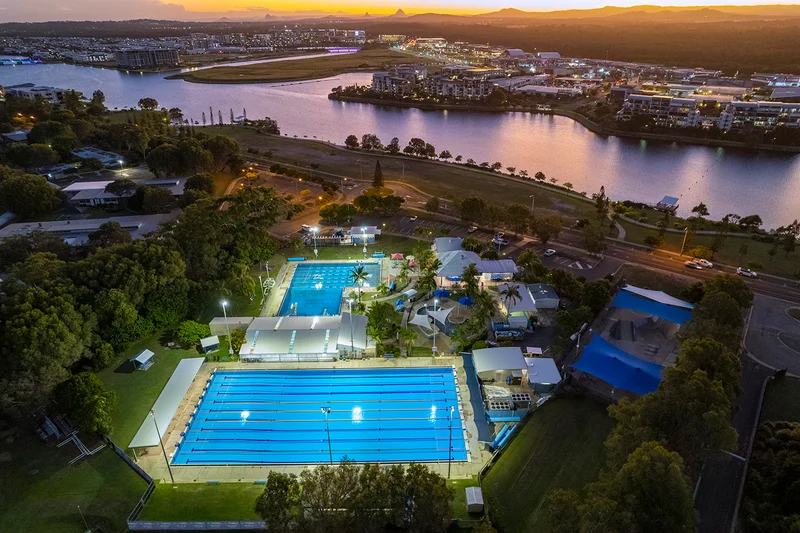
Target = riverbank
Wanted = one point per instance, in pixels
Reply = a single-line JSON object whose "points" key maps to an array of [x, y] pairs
{"points": [[297, 70], [577, 117]]}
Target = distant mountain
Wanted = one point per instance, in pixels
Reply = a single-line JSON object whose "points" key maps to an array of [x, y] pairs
{"points": [[399, 14]]}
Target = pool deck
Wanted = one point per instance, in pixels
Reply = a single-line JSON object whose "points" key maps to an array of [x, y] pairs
{"points": [[152, 460]]}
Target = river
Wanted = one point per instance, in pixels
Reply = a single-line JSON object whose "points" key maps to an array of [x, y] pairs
{"points": [[727, 180]]}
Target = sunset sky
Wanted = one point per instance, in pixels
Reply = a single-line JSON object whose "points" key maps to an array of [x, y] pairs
{"points": [[38, 10]]}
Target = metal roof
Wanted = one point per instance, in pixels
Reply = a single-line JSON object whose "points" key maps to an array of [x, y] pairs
{"points": [[542, 370], [167, 403], [492, 359], [143, 356]]}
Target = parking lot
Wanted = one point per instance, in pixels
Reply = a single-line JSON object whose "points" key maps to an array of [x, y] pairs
{"points": [[773, 337]]}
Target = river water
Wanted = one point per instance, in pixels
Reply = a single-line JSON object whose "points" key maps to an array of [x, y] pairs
{"points": [[727, 180]]}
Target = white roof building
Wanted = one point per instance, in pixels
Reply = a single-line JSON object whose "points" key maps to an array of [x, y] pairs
{"points": [[496, 363], [77, 232]]}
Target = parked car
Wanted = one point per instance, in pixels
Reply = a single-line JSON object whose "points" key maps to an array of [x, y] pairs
{"points": [[472, 229], [305, 228], [746, 272], [693, 264], [499, 235], [500, 241], [705, 263], [549, 252], [413, 219]]}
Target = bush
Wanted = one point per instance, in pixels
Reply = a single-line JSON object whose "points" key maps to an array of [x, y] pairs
{"points": [[190, 332]]}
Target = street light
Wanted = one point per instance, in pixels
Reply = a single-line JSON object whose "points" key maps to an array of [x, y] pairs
{"points": [[533, 199], [297, 185], [360, 168], [161, 442], [433, 348], [314, 232], [327, 411], [685, 235], [364, 239], [450, 445], [227, 328], [403, 175]]}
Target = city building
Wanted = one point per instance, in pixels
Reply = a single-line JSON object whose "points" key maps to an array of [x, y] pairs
{"points": [[667, 111], [54, 95], [92, 194], [147, 58], [393, 39], [763, 115], [76, 232], [387, 83], [109, 159]]}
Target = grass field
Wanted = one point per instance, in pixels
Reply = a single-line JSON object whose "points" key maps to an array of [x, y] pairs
{"points": [[654, 280], [729, 253], [794, 312], [782, 401], [298, 69], [41, 492], [560, 447], [199, 502], [442, 180]]}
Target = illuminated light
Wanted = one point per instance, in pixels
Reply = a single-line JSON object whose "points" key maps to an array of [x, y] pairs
{"points": [[358, 415], [433, 413], [245, 415], [318, 286]]}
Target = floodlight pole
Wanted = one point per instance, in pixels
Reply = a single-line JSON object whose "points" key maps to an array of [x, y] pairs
{"points": [[450, 445], [533, 199], [161, 442], [327, 411], [227, 328], [350, 303], [433, 348]]}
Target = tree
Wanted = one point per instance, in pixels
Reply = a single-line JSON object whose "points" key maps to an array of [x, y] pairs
{"points": [[445, 155], [29, 196], [87, 402], [546, 227], [148, 104], [471, 208], [654, 241], [122, 187], [511, 170], [510, 293], [108, 234], [701, 252], [720, 236], [279, 504], [394, 146], [701, 210], [30, 156], [328, 497], [471, 244], [718, 362], [223, 149], [382, 321], [419, 498], [237, 340], [569, 186], [17, 248], [351, 142], [359, 276], [750, 222], [190, 332], [497, 98], [516, 218], [157, 200], [565, 283], [743, 249], [370, 141], [539, 176], [533, 270], [720, 307], [175, 115], [409, 337], [432, 205], [594, 239], [601, 205], [377, 178], [596, 295], [734, 286], [201, 182], [496, 166], [92, 164]]}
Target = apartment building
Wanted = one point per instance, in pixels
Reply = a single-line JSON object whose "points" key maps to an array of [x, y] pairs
{"points": [[147, 58], [54, 95], [761, 115], [388, 83], [668, 111]]}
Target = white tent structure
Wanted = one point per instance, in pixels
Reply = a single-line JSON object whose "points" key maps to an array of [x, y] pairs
{"points": [[658, 296], [440, 315], [498, 363]]}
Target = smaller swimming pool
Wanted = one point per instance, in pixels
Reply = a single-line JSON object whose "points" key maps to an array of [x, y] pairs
{"points": [[316, 288]]}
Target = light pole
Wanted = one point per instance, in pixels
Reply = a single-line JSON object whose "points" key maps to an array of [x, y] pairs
{"points": [[403, 175], [161, 442], [360, 168], [227, 328], [450, 444], [297, 185], [533, 199], [350, 304], [327, 411], [364, 238], [433, 348], [314, 232], [685, 235]]}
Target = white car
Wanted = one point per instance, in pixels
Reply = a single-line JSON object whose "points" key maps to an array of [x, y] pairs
{"points": [[705, 263], [413, 219], [549, 252], [693, 264], [500, 241], [746, 272], [472, 229]]}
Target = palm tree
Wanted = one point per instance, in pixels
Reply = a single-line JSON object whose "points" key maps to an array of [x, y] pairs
{"points": [[483, 307], [427, 282], [511, 293], [469, 277], [359, 276], [409, 337]]}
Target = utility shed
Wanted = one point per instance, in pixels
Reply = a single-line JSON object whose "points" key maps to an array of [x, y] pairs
{"points": [[143, 360], [474, 500]]}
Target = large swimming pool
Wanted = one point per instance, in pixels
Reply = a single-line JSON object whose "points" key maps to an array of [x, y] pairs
{"points": [[277, 417], [316, 288]]}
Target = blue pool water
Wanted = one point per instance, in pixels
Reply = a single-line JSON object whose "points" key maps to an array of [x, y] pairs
{"points": [[317, 288], [275, 417]]}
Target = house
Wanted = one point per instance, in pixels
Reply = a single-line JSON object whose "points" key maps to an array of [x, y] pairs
{"points": [[19, 136], [92, 194], [544, 296], [143, 360], [455, 261], [518, 310], [76, 232], [53, 95], [447, 244], [543, 374], [109, 159], [209, 344]]}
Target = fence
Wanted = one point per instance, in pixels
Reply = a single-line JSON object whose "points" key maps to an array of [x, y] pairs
{"points": [[124, 456], [147, 525]]}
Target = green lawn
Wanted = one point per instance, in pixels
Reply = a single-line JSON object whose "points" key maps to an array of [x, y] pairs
{"points": [[445, 181], [794, 312], [387, 244], [41, 492], [299, 69], [560, 447], [194, 501], [459, 504], [779, 265], [782, 401], [653, 280], [137, 391]]}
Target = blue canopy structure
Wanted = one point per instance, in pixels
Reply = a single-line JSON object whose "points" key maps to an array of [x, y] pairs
{"points": [[465, 300], [627, 300], [622, 370], [441, 293]]}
